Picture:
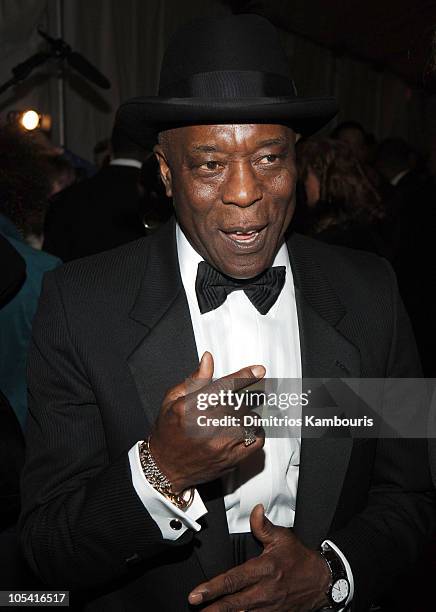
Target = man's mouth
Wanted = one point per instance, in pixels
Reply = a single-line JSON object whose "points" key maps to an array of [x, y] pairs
{"points": [[244, 235]]}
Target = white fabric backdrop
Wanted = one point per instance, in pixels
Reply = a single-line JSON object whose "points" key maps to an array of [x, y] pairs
{"points": [[125, 40]]}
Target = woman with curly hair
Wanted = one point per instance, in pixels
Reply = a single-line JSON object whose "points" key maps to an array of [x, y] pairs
{"points": [[342, 206], [24, 192], [24, 185]]}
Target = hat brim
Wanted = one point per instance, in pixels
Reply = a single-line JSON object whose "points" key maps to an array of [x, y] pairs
{"points": [[142, 118]]}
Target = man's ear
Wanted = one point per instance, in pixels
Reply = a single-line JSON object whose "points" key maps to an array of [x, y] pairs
{"points": [[165, 170]]}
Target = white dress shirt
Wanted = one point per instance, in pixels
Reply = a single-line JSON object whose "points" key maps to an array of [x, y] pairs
{"points": [[237, 335]]}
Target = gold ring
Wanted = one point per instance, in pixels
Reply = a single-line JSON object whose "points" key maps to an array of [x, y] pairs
{"points": [[249, 436]]}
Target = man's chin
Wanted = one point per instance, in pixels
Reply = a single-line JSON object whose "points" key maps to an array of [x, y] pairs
{"points": [[242, 273], [239, 264]]}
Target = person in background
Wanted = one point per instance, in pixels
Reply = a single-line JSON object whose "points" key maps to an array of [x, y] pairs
{"points": [[102, 153], [12, 276], [15, 573], [13, 271], [156, 207], [363, 146], [353, 134], [342, 206], [411, 229], [394, 160], [60, 174], [14, 570], [398, 163], [24, 191], [82, 167], [42, 142], [102, 212]]}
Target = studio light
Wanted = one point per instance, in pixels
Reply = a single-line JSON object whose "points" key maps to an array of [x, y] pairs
{"points": [[30, 120]]}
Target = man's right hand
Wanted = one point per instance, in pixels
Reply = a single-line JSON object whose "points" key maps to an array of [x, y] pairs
{"points": [[179, 445]]}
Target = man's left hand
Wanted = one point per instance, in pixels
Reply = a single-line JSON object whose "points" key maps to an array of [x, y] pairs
{"points": [[286, 577]]}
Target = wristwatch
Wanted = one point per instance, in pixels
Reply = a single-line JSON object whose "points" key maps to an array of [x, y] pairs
{"points": [[339, 588]]}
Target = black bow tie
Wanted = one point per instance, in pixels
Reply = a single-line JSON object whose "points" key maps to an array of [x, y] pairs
{"points": [[213, 287]]}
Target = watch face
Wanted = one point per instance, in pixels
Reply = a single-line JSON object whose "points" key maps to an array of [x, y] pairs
{"points": [[340, 590]]}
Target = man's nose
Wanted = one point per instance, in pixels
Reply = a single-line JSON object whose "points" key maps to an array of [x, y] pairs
{"points": [[242, 187]]}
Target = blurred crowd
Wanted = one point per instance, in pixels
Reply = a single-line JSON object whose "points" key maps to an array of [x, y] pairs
{"points": [[378, 197]]}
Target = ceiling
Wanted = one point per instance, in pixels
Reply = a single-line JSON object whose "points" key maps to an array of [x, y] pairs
{"points": [[392, 34]]}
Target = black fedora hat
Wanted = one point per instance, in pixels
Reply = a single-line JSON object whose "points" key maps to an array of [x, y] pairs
{"points": [[224, 70]]}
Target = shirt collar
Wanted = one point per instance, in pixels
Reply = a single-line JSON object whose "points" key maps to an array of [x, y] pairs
{"points": [[125, 161]]}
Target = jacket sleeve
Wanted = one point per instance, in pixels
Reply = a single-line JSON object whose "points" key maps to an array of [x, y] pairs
{"points": [[82, 523], [387, 537]]}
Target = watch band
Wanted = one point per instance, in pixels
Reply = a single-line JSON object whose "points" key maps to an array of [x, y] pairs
{"points": [[337, 571]]}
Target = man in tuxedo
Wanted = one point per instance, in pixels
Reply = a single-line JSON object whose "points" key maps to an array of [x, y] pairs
{"points": [[122, 496], [101, 212], [411, 224]]}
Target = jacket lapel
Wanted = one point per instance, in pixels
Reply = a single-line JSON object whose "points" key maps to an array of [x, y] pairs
{"points": [[164, 357], [325, 353], [166, 354]]}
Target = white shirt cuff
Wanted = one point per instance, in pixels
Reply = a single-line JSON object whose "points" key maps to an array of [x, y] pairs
{"points": [[172, 521], [347, 569]]}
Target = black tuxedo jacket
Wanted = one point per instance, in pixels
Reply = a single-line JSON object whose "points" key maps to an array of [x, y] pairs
{"points": [[11, 463], [95, 215], [112, 334]]}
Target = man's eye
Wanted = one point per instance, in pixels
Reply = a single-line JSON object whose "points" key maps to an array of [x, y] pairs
{"points": [[269, 159], [210, 165]]}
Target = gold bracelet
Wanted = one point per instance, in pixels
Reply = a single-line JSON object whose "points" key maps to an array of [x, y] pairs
{"points": [[159, 481]]}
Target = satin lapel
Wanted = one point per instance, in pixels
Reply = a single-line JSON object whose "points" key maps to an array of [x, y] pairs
{"points": [[325, 353], [164, 357]]}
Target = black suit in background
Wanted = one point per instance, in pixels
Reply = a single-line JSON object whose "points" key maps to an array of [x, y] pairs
{"points": [[11, 463], [13, 271], [95, 215], [14, 571], [413, 229], [112, 334]]}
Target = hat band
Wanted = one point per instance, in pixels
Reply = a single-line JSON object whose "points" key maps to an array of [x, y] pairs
{"points": [[230, 84]]}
